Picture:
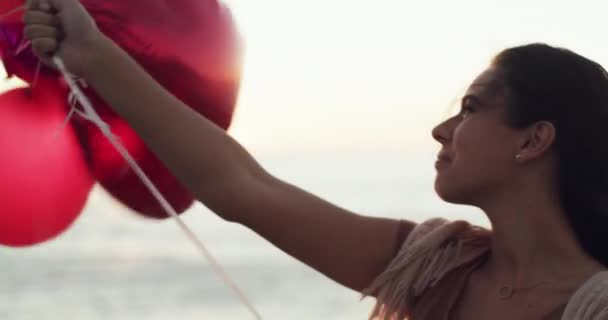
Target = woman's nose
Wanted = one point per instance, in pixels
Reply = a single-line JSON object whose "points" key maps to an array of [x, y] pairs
{"points": [[441, 132]]}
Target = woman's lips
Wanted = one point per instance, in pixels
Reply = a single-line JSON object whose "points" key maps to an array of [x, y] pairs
{"points": [[440, 163], [442, 160]]}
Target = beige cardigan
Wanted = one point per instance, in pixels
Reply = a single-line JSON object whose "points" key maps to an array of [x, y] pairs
{"points": [[426, 276]]}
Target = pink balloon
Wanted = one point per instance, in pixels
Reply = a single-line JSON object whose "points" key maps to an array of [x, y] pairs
{"points": [[44, 180]]}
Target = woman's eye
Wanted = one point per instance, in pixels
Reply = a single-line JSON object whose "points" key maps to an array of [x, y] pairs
{"points": [[464, 111]]}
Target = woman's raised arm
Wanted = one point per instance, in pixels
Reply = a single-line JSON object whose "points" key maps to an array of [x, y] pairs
{"points": [[349, 248]]}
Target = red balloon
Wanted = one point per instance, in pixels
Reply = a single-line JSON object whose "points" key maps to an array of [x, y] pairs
{"points": [[10, 10], [44, 180], [191, 47], [17, 58], [119, 179]]}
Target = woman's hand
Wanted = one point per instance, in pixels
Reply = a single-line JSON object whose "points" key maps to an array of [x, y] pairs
{"points": [[63, 28]]}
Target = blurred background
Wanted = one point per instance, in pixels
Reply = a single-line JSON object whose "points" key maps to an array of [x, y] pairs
{"points": [[339, 97]]}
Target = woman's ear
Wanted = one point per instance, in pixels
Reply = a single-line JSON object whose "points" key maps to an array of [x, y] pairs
{"points": [[537, 139]]}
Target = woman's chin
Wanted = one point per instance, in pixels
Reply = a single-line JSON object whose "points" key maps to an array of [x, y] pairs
{"points": [[449, 193]]}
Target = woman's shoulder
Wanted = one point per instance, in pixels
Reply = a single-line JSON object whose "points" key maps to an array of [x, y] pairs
{"points": [[590, 301], [431, 250], [437, 230], [449, 244]]}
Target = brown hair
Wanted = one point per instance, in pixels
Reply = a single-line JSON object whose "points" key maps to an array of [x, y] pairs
{"points": [[571, 92]]}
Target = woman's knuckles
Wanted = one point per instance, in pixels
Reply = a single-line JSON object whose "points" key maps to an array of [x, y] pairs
{"points": [[40, 31]]}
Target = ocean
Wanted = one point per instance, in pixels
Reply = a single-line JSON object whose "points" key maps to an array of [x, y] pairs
{"points": [[113, 265]]}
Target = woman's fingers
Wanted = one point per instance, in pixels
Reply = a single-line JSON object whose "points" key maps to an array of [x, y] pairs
{"points": [[45, 39], [37, 31], [38, 4], [44, 46], [63, 28], [43, 31], [40, 17]]}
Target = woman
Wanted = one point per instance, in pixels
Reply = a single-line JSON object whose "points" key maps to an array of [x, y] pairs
{"points": [[525, 148]]}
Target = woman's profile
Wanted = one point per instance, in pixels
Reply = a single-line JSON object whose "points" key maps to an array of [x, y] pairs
{"points": [[527, 148]]}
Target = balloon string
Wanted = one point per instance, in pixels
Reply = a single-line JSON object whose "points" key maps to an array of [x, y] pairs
{"points": [[36, 75], [105, 129], [92, 116], [24, 44]]}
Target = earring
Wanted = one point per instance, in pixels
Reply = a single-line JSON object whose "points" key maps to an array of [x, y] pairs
{"points": [[517, 156]]}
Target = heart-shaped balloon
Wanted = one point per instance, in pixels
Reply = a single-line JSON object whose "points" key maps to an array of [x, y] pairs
{"points": [[191, 47]]}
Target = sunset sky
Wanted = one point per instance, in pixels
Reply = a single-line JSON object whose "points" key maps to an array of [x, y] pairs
{"points": [[376, 75]]}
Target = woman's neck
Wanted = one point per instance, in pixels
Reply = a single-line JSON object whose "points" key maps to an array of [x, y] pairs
{"points": [[531, 246]]}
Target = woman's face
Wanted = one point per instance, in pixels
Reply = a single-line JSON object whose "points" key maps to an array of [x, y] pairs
{"points": [[478, 149]]}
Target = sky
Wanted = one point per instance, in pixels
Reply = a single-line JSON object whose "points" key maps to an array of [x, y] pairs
{"points": [[379, 75], [375, 76]]}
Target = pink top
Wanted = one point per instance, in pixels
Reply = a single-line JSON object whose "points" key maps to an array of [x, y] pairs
{"points": [[425, 278]]}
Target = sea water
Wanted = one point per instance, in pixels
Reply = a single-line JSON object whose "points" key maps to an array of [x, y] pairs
{"points": [[113, 265]]}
